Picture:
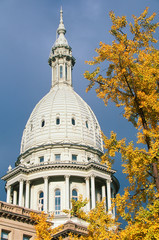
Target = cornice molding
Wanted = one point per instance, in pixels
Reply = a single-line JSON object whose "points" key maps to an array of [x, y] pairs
{"points": [[16, 213], [62, 165]]}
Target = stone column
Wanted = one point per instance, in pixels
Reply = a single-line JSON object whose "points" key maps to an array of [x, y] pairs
{"points": [[70, 72], [57, 71], [93, 191], [14, 197], [87, 193], [67, 192], [113, 196], [52, 75], [27, 194], [46, 194], [104, 194], [21, 182], [108, 182], [8, 193]]}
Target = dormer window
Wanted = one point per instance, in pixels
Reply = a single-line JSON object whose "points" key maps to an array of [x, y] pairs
{"points": [[61, 71]]}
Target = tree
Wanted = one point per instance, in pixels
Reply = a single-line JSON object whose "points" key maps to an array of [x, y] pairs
{"points": [[43, 226], [100, 224], [131, 81]]}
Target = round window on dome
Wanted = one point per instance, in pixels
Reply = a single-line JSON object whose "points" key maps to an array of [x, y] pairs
{"points": [[57, 121], [73, 121], [42, 123]]}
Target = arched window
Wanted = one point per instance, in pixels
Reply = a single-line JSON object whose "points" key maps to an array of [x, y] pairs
{"points": [[86, 124], [61, 71], [74, 194], [57, 201], [41, 201], [42, 123], [73, 121], [57, 121]]}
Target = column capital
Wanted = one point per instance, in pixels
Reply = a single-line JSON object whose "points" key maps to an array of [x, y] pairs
{"points": [[46, 178], [87, 178], [67, 176], [108, 180], [27, 181], [21, 180], [93, 175], [8, 186]]}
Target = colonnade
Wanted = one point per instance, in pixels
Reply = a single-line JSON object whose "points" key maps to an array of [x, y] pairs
{"points": [[90, 191]]}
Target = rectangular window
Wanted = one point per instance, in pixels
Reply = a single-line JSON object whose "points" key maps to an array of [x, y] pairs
{"points": [[61, 71], [4, 235], [74, 157], [57, 157], [41, 159], [25, 237]]}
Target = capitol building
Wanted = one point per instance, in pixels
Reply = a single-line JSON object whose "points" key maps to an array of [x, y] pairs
{"points": [[61, 149]]}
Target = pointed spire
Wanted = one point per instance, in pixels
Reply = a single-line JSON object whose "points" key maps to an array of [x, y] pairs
{"points": [[61, 28]]}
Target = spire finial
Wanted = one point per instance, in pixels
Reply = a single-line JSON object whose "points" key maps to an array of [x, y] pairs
{"points": [[61, 15], [61, 28]]}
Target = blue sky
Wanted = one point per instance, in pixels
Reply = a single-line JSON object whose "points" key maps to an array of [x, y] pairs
{"points": [[27, 32]]}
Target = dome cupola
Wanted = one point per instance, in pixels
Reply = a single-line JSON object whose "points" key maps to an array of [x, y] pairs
{"points": [[61, 59]]}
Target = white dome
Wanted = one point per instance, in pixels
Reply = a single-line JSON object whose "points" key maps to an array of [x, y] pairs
{"points": [[62, 116]]}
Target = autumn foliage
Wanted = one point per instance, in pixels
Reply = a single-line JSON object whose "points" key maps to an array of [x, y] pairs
{"points": [[131, 81], [44, 226]]}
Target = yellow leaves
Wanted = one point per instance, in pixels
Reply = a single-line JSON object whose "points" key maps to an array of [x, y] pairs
{"points": [[43, 226], [77, 207], [146, 224], [133, 70]]}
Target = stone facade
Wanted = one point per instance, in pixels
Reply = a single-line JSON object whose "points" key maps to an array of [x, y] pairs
{"points": [[15, 222]]}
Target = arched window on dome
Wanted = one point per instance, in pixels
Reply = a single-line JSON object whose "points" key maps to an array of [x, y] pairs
{"points": [[57, 201], [86, 124], [57, 121], [73, 121], [43, 123], [41, 201], [74, 194]]}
